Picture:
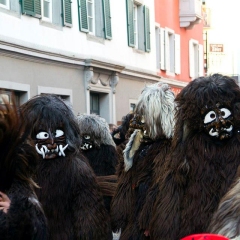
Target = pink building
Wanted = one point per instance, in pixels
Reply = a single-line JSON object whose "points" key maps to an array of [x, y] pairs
{"points": [[179, 41]]}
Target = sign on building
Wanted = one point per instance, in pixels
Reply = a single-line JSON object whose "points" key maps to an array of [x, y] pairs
{"points": [[216, 47]]}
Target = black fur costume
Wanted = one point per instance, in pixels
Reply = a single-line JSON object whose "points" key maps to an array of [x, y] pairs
{"points": [[204, 157], [70, 196], [153, 122], [100, 150], [24, 219]]}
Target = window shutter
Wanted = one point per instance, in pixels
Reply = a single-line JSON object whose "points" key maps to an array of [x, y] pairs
{"points": [[99, 19], [130, 26], [162, 49], [83, 17], [56, 13], [200, 60], [67, 13], [147, 29], [31, 7], [177, 54], [157, 35], [107, 19], [191, 59]]}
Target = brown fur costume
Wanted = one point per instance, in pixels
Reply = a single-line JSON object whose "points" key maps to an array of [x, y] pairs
{"points": [[226, 220], [25, 219], [156, 106], [100, 150], [69, 193], [204, 160]]}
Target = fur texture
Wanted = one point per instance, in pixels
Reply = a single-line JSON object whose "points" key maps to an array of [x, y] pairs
{"points": [[135, 173], [102, 156], [25, 219], [200, 168], [69, 193], [226, 220], [122, 133], [97, 128]]}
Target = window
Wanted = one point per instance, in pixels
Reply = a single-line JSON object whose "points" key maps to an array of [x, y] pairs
{"points": [[135, 26], [94, 103], [4, 4], [47, 10], [168, 50], [95, 17], [132, 106], [195, 59], [138, 26], [90, 11], [55, 11], [10, 97]]}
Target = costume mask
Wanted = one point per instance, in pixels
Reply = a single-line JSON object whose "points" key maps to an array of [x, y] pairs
{"points": [[137, 122], [218, 122], [86, 143], [51, 144]]}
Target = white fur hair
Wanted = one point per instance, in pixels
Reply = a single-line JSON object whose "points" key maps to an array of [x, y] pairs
{"points": [[156, 104], [96, 127], [226, 219]]}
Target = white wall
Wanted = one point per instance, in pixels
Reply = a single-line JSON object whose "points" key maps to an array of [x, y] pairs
{"points": [[28, 31], [224, 30]]}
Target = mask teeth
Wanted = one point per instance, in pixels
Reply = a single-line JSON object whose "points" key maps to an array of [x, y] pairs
{"points": [[61, 150], [42, 151]]}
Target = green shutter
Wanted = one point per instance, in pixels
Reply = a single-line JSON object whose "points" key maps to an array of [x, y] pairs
{"points": [[130, 24], [147, 29], [31, 7], [107, 19], [67, 13], [83, 17]]}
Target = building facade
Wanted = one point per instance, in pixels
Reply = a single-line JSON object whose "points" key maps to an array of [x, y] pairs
{"points": [[222, 51], [179, 41], [96, 54]]}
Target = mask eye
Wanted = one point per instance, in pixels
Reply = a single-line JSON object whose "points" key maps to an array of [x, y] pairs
{"points": [[42, 135], [225, 112], [210, 116], [59, 133], [86, 137]]}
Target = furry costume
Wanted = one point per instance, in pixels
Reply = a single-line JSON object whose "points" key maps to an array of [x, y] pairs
{"points": [[100, 150], [70, 196], [226, 220], [25, 219], [153, 122], [204, 159], [121, 134]]}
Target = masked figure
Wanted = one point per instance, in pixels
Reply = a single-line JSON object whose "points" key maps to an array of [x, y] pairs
{"points": [[153, 123], [100, 150], [21, 214], [70, 196], [204, 157]]}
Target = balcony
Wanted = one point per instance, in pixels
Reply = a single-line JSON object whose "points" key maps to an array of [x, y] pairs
{"points": [[190, 13]]}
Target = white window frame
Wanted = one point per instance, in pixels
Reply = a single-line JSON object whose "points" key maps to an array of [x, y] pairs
{"points": [[47, 19], [195, 59], [135, 24], [6, 6], [91, 18], [169, 51]]}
